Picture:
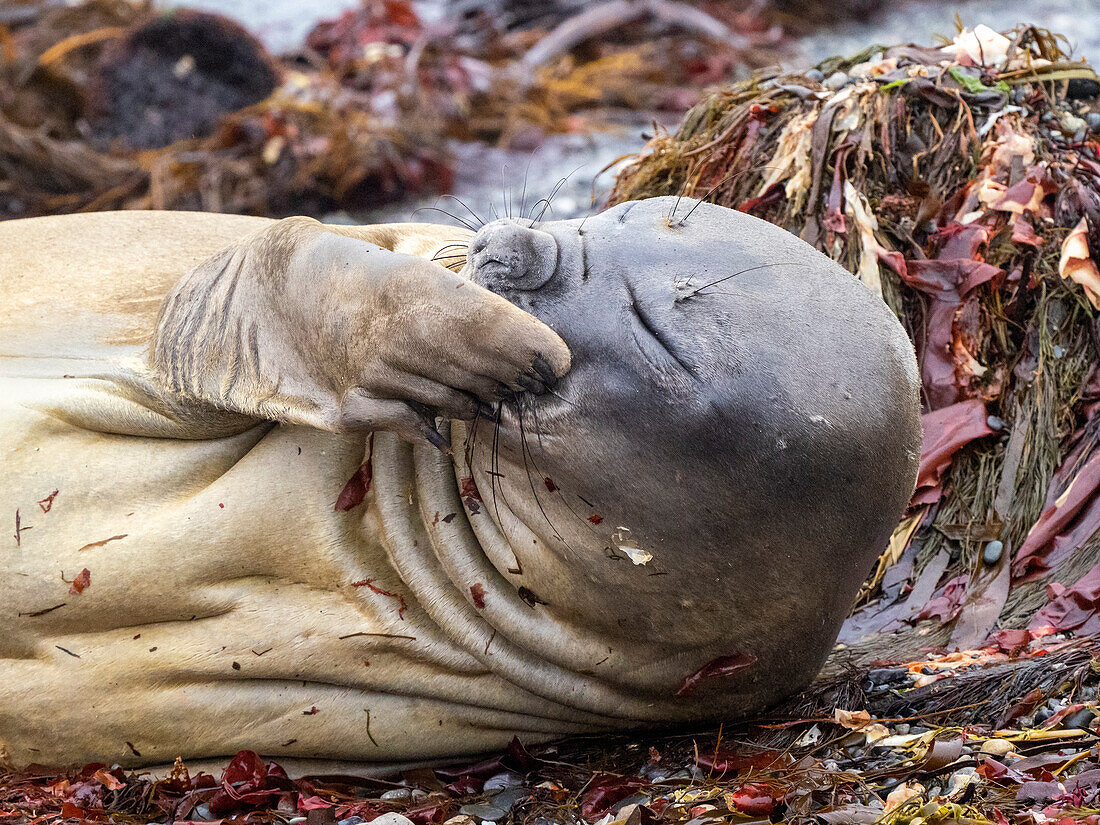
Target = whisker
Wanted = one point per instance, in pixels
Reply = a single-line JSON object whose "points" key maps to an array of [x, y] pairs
{"points": [[462, 221], [561, 397], [449, 246], [493, 459], [557, 188], [713, 189], [463, 204], [530, 480], [523, 193], [697, 290], [676, 204], [471, 441], [538, 433], [549, 198]]}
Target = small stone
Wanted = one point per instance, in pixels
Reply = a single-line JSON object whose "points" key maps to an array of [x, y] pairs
{"points": [[507, 798], [815, 75], [1082, 88], [1079, 719], [501, 781], [890, 782], [352, 820], [397, 794], [995, 423], [294, 820], [1093, 120], [1071, 124], [901, 729], [461, 819], [993, 552], [1059, 350], [997, 747], [392, 818], [837, 80], [887, 675], [488, 813], [1042, 714]]}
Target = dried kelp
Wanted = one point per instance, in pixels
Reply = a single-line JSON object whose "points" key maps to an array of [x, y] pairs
{"points": [[962, 184]]}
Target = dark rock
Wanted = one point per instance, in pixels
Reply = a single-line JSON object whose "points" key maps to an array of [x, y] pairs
{"points": [[887, 675], [1082, 88], [1079, 719], [175, 77]]}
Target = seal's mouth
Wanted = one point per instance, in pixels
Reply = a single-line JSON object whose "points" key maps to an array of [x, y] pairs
{"points": [[511, 254]]}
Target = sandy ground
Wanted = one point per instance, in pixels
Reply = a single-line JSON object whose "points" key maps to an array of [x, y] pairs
{"points": [[282, 24]]}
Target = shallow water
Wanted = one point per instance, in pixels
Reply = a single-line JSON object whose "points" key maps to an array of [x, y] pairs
{"points": [[282, 24]]}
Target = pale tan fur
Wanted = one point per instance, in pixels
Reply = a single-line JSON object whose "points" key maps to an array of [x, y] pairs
{"points": [[334, 329], [222, 607]]}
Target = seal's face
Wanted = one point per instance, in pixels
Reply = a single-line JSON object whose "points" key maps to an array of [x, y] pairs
{"points": [[638, 409], [732, 393]]}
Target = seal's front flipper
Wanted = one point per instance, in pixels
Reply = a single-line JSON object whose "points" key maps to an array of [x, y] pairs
{"points": [[323, 327]]}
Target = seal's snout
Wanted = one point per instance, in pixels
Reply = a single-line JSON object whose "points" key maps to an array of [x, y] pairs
{"points": [[509, 254]]}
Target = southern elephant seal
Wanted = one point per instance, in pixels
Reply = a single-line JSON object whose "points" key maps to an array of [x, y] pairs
{"points": [[665, 521]]}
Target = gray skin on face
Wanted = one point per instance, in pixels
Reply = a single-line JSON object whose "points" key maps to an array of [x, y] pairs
{"points": [[742, 405]]}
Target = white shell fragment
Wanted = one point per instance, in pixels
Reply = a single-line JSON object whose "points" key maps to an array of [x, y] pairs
{"points": [[630, 548]]}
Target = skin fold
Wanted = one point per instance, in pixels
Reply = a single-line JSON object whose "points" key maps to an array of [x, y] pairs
{"points": [[620, 473]]}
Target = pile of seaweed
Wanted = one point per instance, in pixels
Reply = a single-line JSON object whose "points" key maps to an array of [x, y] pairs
{"points": [[962, 184], [110, 104], [107, 104]]}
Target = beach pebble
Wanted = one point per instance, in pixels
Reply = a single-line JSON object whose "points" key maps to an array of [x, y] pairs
{"points": [[837, 80], [1079, 719], [502, 780], [392, 818], [1093, 120], [815, 75], [1071, 124], [488, 813], [997, 747], [995, 423], [993, 552], [508, 797], [397, 794]]}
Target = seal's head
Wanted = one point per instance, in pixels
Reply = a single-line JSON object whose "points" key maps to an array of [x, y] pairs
{"points": [[739, 407]]}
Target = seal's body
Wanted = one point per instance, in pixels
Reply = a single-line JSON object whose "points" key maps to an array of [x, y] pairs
{"points": [[673, 531]]}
